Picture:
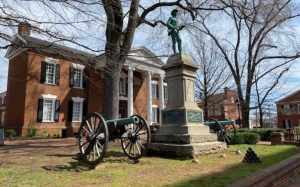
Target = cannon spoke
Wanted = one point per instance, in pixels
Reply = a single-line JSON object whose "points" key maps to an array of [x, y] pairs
{"points": [[93, 146], [136, 139]]}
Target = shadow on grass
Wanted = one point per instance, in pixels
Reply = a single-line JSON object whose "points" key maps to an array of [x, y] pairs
{"points": [[237, 171]]}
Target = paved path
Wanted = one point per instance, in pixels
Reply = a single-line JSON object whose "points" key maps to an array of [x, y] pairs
{"points": [[294, 183]]}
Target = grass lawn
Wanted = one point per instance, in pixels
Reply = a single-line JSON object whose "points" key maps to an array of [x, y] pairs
{"points": [[56, 167]]}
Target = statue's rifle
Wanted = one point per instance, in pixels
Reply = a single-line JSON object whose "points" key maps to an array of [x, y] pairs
{"points": [[180, 27]]}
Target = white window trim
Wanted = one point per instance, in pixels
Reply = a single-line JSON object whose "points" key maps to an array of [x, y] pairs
{"points": [[78, 100], [155, 114], [78, 66], [54, 73], [51, 60], [155, 91], [81, 78], [232, 100], [298, 108], [51, 98]]}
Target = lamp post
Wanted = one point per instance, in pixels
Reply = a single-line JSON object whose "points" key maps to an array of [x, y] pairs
{"points": [[237, 102]]}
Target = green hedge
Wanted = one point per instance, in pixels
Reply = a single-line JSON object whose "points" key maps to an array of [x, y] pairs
{"points": [[9, 133], [247, 138], [264, 133]]}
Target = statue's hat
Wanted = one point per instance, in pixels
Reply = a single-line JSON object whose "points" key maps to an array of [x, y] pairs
{"points": [[173, 11]]}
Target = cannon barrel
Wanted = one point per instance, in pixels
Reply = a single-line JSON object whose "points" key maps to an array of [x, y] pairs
{"points": [[221, 122], [124, 121]]}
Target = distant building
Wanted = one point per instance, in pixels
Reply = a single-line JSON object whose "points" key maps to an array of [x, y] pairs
{"points": [[222, 106], [2, 108], [288, 110], [54, 86]]}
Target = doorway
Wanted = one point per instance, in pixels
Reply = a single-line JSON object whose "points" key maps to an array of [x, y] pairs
{"points": [[122, 109]]}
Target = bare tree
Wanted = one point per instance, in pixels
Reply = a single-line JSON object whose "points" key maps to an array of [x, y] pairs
{"points": [[109, 24], [251, 34], [213, 74]]}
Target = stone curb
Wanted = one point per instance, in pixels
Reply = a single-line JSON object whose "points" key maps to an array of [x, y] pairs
{"points": [[276, 175]]}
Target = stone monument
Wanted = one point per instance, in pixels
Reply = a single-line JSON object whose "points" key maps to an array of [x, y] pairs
{"points": [[182, 132]]}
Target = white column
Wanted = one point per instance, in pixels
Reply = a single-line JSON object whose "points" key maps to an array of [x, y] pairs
{"points": [[161, 97], [130, 92], [149, 99]]}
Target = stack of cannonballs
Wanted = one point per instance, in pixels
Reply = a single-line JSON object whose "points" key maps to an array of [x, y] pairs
{"points": [[251, 157]]}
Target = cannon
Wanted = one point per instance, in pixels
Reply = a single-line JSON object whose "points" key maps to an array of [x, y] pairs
{"points": [[95, 133], [225, 129]]}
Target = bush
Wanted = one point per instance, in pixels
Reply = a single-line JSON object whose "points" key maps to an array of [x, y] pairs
{"points": [[251, 138], [264, 133], [32, 129], [239, 138], [9, 133]]}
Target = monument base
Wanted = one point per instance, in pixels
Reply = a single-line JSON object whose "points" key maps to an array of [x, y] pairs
{"points": [[185, 129], [193, 150]]}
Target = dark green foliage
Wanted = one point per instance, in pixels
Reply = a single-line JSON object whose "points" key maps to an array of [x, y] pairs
{"points": [[239, 138], [264, 133], [9, 133], [251, 138], [32, 129]]}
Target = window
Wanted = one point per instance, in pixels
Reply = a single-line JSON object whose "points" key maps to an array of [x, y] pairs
{"points": [[232, 100], [286, 109], [77, 109], [48, 109], [237, 111], [218, 110], [3, 116], [155, 114], [298, 108], [154, 90], [123, 86], [2, 101], [165, 91], [226, 110], [50, 71], [78, 76]]}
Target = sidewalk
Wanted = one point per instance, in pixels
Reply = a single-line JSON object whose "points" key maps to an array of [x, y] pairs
{"points": [[295, 182]]}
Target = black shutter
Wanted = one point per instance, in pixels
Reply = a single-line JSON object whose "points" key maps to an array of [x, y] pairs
{"points": [[57, 74], [70, 112], [157, 91], [284, 125], [84, 109], [57, 108], [71, 80], [290, 124], [85, 78], [43, 72], [40, 110], [157, 110]]}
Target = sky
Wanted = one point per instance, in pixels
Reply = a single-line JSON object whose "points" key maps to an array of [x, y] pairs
{"points": [[142, 37]]}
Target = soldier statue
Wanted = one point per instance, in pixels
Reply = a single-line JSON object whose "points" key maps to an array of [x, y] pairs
{"points": [[173, 29]]}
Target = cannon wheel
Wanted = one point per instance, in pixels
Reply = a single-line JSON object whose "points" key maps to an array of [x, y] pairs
{"points": [[93, 138], [229, 133], [226, 133], [136, 140]]}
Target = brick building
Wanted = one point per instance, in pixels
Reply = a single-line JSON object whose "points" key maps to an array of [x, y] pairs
{"points": [[53, 86], [288, 110], [2, 108], [223, 106]]}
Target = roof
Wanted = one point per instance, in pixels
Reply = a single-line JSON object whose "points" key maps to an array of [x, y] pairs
{"points": [[292, 97], [42, 46], [3, 94], [216, 99]]}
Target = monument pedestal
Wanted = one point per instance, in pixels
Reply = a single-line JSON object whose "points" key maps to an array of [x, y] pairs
{"points": [[182, 132]]}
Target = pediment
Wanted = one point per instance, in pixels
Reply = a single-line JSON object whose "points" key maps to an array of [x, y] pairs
{"points": [[144, 56], [14, 50]]}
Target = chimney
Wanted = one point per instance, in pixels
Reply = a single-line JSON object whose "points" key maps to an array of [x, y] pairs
{"points": [[24, 28], [226, 89]]}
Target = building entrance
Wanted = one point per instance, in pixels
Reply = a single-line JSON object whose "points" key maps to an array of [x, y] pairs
{"points": [[122, 109]]}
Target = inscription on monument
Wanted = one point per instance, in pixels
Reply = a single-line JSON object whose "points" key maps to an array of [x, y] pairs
{"points": [[173, 117], [174, 89], [190, 95], [195, 117]]}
